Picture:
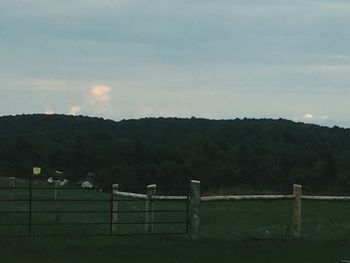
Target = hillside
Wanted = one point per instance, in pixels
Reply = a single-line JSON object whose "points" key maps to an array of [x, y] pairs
{"points": [[220, 153]]}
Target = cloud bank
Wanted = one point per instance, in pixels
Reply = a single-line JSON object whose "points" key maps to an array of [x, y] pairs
{"points": [[221, 59]]}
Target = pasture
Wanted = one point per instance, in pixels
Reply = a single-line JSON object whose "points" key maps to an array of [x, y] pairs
{"points": [[246, 231]]}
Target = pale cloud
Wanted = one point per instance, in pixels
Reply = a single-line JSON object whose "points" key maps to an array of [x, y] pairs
{"points": [[219, 59], [74, 110], [330, 67], [100, 94], [308, 116], [18, 82], [316, 118], [49, 111], [99, 100]]}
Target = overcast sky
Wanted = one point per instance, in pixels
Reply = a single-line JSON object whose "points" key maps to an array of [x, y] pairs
{"points": [[214, 59]]}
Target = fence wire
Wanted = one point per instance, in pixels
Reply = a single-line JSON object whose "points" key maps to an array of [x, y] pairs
{"points": [[37, 210]]}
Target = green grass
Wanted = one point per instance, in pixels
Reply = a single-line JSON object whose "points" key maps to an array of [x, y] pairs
{"points": [[247, 231], [94, 215]]}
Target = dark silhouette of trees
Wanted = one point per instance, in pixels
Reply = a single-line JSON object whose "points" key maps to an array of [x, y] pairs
{"points": [[220, 153]]}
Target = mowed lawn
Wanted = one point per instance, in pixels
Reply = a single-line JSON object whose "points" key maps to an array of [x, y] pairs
{"points": [[248, 231]]}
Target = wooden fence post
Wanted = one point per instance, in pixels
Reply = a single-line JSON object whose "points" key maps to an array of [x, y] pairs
{"points": [[297, 210], [56, 197], [195, 199], [115, 188], [12, 185], [149, 214]]}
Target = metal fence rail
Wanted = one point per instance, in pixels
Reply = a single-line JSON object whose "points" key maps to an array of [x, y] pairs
{"points": [[38, 206]]}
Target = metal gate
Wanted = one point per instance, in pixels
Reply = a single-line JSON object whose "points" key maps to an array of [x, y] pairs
{"points": [[37, 210]]}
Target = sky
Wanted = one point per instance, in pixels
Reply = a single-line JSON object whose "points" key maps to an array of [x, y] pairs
{"points": [[223, 59]]}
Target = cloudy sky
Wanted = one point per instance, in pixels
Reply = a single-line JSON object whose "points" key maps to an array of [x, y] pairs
{"points": [[214, 59]]}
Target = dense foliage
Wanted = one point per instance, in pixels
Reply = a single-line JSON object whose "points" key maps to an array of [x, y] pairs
{"points": [[220, 153]]}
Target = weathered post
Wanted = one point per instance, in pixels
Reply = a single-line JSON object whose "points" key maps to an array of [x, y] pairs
{"points": [[36, 172], [56, 197], [149, 214], [195, 199], [115, 188], [12, 185], [296, 210]]}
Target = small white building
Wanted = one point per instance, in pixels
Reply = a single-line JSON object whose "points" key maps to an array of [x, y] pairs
{"points": [[57, 178], [89, 181], [86, 184]]}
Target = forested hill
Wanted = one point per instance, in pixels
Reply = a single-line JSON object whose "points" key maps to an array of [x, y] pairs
{"points": [[220, 153]]}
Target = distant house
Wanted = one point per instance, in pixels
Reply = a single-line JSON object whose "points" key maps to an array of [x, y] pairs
{"points": [[57, 177], [89, 181]]}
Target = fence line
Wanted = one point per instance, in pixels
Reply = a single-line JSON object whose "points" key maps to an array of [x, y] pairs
{"points": [[114, 209], [55, 194], [325, 198], [133, 195], [245, 197], [296, 211], [169, 197], [297, 197], [57, 197], [271, 197], [155, 197], [193, 201], [192, 224], [12, 185], [149, 207]]}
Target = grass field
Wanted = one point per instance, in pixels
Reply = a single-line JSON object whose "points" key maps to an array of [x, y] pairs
{"points": [[81, 212], [249, 231]]}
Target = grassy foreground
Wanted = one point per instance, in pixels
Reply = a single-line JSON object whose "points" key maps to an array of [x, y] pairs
{"points": [[227, 235], [250, 231], [153, 249]]}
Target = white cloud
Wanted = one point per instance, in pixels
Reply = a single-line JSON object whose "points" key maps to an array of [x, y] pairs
{"points": [[324, 117], [74, 110], [100, 94], [308, 116], [99, 100]]}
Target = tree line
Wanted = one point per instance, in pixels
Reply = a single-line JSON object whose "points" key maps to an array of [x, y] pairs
{"points": [[171, 151]]}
